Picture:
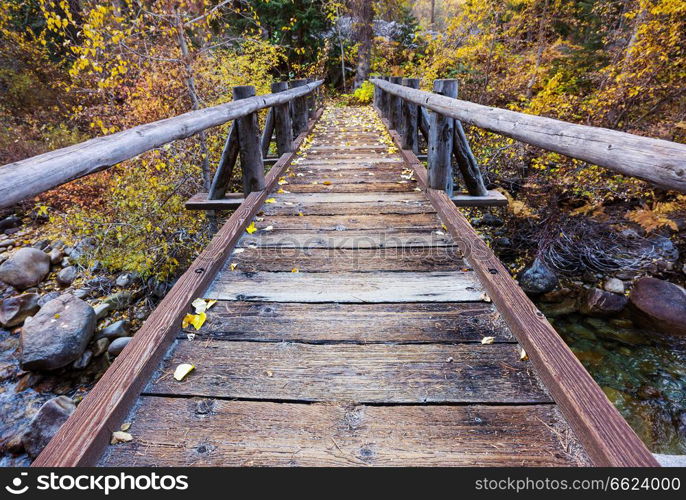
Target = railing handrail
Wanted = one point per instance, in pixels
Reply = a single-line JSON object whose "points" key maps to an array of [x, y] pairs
{"points": [[32, 176], [655, 160]]}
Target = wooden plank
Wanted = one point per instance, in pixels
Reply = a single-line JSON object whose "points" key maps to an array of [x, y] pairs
{"points": [[200, 201], [205, 432], [81, 439], [654, 160], [352, 222], [605, 435], [346, 260], [456, 286], [367, 373], [324, 208], [494, 198], [368, 197], [347, 176], [35, 175], [390, 238], [359, 187], [321, 323]]}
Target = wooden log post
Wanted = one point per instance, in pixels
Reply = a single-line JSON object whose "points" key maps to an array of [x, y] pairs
{"points": [[441, 132], [383, 99], [282, 122], [267, 133], [249, 145], [299, 109], [395, 108], [222, 177], [411, 119]]}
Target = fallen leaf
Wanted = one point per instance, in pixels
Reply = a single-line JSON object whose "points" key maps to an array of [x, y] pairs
{"points": [[251, 228], [270, 200], [523, 356], [197, 320], [327, 183], [182, 370], [294, 270], [485, 297], [125, 426], [233, 266], [487, 340], [239, 250], [282, 181], [268, 228], [202, 305], [121, 437], [280, 191]]}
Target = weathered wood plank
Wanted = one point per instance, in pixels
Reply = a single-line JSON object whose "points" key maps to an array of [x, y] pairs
{"points": [[390, 238], [205, 432], [83, 437], [493, 198], [456, 286], [605, 435], [249, 145], [417, 222], [440, 144], [321, 323], [367, 373], [346, 260], [368, 197], [359, 187], [325, 208]]}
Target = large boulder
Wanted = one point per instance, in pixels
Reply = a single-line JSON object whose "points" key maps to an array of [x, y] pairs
{"points": [[46, 423], [659, 305], [538, 278], [14, 310], [26, 268], [597, 302], [58, 334]]}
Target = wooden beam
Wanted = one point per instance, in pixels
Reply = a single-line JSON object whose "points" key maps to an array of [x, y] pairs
{"points": [[466, 162], [84, 436], [654, 160], [282, 122], [411, 118], [249, 144], [222, 177], [299, 109], [395, 109], [27, 178], [201, 201], [605, 435], [267, 133], [440, 146], [492, 198]]}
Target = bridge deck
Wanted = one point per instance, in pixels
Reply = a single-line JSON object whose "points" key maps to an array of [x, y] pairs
{"points": [[369, 354]]}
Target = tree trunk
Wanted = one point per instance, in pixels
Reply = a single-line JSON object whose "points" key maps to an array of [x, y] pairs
{"points": [[363, 15]]}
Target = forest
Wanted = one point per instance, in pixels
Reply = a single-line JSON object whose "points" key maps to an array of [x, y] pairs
{"points": [[572, 232]]}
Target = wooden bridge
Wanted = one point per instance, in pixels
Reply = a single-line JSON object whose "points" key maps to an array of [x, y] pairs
{"points": [[360, 320]]}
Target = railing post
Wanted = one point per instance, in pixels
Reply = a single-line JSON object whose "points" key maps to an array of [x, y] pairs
{"points": [[310, 101], [299, 109], [383, 100], [410, 114], [395, 108], [282, 122], [441, 142], [249, 146]]}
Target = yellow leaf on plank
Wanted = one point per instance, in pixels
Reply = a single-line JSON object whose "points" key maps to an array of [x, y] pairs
{"points": [[282, 181], [327, 183], [197, 320], [251, 228], [294, 270], [125, 426], [120, 437], [487, 340], [270, 200], [182, 370], [280, 191], [233, 266], [523, 356]]}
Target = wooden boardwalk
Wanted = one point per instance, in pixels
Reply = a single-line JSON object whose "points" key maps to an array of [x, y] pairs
{"points": [[348, 331]]}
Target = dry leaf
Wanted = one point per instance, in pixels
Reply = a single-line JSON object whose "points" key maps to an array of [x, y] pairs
{"points": [[485, 297], [125, 426], [523, 356], [233, 266], [239, 250], [182, 370], [270, 200], [197, 320], [294, 270], [251, 228], [487, 340], [121, 437]]}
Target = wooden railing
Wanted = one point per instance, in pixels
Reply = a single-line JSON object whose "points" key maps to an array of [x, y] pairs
{"points": [[654, 160], [30, 177]]}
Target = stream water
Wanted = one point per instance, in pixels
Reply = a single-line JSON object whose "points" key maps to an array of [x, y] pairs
{"points": [[642, 373]]}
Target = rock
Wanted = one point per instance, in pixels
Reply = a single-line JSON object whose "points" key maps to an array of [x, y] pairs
{"points": [[67, 276], [65, 262], [115, 330], [488, 220], [556, 295], [119, 300], [502, 242], [538, 278], [11, 222], [81, 293], [14, 310], [100, 346], [48, 297], [46, 423], [659, 305], [557, 309], [123, 280], [41, 244], [101, 310], [83, 361], [7, 243], [117, 346], [597, 302], [14, 230], [26, 268], [58, 334], [56, 256], [614, 285]]}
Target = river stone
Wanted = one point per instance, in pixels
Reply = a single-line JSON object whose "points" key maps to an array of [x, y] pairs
{"points": [[67, 276], [117, 345], [538, 278], [56, 256], [101, 310], [10, 222], [46, 423], [58, 334], [83, 361], [119, 300], [14, 310], [48, 297], [659, 305], [614, 285], [26, 268], [115, 330], [597, 302], [100, 346]]}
